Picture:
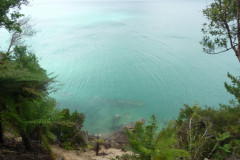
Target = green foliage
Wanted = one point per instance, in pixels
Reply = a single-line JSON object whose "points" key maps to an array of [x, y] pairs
{"points": [[98, 143], [24, 90], [27, 59], [208, 133], [67, 130], [166, 147], [25, 105], [89, 146], [46, 144], [198, 133], [221, 30], [148, 144], [68, 145], [22, 75], [142, 139], [9, 14], [233, 89]]}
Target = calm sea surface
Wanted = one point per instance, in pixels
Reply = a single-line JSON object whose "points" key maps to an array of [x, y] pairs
{"points": [[127, 58]]}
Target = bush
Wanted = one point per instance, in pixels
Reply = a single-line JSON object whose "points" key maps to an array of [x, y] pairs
{"points": [[148, 144], [68, 130]]}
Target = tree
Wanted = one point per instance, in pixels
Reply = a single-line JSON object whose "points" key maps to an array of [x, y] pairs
{"points": [[17, 37], [9, 14], [222, 32], [24, 89]]}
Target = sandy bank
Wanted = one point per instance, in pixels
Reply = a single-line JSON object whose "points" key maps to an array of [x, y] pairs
{"points": [[105, 154]]}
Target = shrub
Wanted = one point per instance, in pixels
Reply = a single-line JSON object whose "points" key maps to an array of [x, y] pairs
{"points": [[67, 131], [148, 144]]}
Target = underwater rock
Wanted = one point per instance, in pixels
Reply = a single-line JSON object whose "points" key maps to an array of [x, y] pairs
{"points": [[117, 116], [124, 103], [116, 121], [114, 102]]}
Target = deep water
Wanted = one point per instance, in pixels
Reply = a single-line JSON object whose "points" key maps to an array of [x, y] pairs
{"points": [[130, 58]]}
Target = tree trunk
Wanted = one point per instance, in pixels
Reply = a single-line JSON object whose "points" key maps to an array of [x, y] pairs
{"points": [[26, 141], [1, 131], [238, 30], [97, 148], [238, 57]]}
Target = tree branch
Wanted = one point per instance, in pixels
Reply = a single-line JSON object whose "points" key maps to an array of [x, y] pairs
{"points": [[223, 50], [228, 31], [17, 36], [190, 130]]}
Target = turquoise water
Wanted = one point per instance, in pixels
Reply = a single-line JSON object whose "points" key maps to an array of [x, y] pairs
{"points": [[131, 58]]}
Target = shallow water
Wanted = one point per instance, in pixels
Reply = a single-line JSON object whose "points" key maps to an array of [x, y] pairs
{"points": [[130, 58]]}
